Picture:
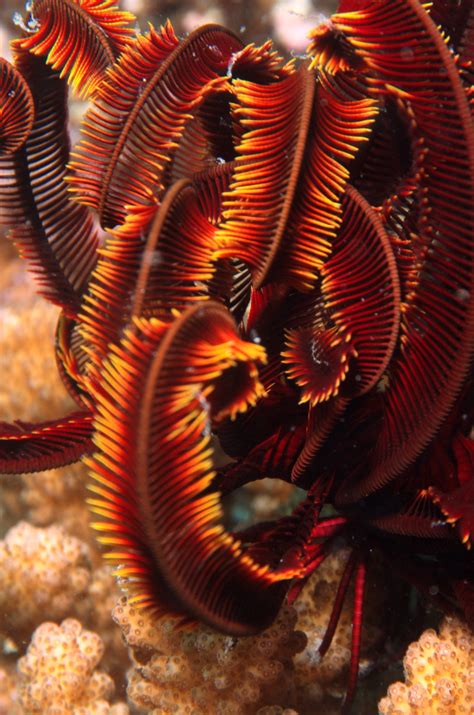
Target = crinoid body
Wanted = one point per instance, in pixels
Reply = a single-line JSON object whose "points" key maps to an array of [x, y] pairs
{"points": [[273, 257]]}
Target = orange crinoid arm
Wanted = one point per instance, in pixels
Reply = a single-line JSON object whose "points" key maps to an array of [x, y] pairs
{"points": [[160, 392]]}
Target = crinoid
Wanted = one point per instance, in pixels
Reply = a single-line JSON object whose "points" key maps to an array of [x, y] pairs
{"points": [[287, 270]]}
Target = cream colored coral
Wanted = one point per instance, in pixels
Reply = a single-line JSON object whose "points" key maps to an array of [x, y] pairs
{"points": [[318, 679], [43, 572], [439, 674], [59, 496], [200, 671], [58, 675], [95, 612], [31, 387]]}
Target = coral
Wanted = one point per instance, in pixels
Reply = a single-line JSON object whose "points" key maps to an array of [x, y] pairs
{"points": [[178, 670], [31, 388], [439, 674], [8, 696], [58, 673], [43, 572], [58, 496], [96, 612], [316, 677]]}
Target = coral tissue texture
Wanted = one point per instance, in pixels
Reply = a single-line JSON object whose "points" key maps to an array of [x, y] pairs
{"points": [[200, 671], [256, 267], [58, 674], [439, 673], [44, 572]]}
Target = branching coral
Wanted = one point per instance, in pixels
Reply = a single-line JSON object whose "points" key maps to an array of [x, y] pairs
{"points": [[43, 572], [31, 388], [58, 496], [439, 674], [59, 676], [200, 671], [96, 613]]}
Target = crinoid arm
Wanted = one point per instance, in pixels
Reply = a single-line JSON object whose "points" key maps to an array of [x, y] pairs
{"points": [[80, 40], [157, 82], [458, 504], [18, 109], [160, 392], [438, 315], [36, 447], [57, 238]]}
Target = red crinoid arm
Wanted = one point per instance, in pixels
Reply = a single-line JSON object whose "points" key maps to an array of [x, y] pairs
{"points": [[458, 505], [211, 186], [155, 85], [16, 122], [107, 303], [18, 110], [33, 448], [438, 328], [56, 237], [318, 360], [159, 393], [73, 360], [338, 604], [79, 38], [159, 260], [321, 420], [330, 51], [209, 138], [419, 518], [360, 293], [275, 120], [339, 128], [359, 585], [177, 262], [273, 457], [380, 164]]}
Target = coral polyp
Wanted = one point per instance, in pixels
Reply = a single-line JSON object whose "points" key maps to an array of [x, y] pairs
{"points": [[266, 258]]}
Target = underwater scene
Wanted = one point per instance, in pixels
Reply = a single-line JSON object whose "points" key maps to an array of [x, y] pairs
{"points": [[237, 346]]}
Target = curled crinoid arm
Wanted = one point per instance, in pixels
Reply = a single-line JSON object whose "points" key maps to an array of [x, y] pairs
{"points": [[33, 448], [356, 313], [57, 238], [140, 114], [330, 51], [436, 343], [318, 360], [18, 111], [79, 38], [161, 391]]}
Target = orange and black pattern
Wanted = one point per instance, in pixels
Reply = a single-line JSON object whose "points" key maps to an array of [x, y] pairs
{"points": [[274, 259]]}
